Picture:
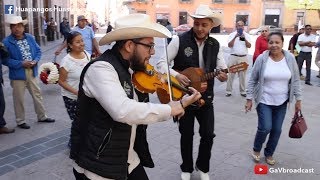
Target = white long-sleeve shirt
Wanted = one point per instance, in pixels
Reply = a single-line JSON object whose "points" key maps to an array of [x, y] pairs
{"points": [[172, 50], [102, 83]]}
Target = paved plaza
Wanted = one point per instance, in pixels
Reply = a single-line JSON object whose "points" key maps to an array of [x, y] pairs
{"points": [[41, 152]]}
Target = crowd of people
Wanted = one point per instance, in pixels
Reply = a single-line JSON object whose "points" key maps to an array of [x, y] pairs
{"points": [[107, 112]]}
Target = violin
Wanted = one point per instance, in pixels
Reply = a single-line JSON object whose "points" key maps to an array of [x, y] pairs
{"points": [[150, 81]]}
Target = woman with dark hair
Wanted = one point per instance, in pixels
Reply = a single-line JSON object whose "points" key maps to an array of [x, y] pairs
{"points": [[274, 82], [70, 70]]}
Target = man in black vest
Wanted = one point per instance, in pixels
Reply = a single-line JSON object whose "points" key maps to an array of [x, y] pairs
{"points": [[196, 48], [105, 134]]}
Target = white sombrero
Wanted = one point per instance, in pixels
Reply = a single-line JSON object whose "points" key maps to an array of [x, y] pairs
{"points": [[204, 11], [135, 26], [16, 20]]}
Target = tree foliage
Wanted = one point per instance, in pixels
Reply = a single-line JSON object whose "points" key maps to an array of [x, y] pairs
{"points": [[302, 4]]}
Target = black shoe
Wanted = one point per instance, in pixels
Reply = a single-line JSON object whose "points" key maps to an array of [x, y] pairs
{"points": [[243, 95], [24, 126], [228, 95], [318, 76], [48, 120], [308, 83]]}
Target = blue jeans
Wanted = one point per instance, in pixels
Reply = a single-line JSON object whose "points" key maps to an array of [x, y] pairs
{"points": [[2, 107], [270, 120]]}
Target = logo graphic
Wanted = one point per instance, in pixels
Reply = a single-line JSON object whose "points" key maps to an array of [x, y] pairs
{"points": [[8, 9], [260, 169]]}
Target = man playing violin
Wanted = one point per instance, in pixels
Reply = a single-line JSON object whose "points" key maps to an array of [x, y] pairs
{"points": [[104, 134], [196, 48]]}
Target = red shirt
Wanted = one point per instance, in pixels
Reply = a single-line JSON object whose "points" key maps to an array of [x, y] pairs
{"points": [[261, 45]]}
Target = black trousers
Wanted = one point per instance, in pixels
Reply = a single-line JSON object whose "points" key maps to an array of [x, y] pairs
{"points": [[205, 117], [305, 56], [137, 174]]}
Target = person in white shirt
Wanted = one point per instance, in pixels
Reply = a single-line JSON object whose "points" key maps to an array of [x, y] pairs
{"points": [[104, 133], [306, 41], [274, 82], [195, 48], [239, 42], [71, 67]]}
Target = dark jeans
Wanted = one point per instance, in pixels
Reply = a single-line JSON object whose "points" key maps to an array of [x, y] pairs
{"points": [[2, 107], [270, 120], [205, 117], [305, 56], [137, 174], [71, 106]]}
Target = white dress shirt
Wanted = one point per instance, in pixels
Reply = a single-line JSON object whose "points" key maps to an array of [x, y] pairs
{"points": [[239, 47], [304, 38], [172, 50], [102, 83]]}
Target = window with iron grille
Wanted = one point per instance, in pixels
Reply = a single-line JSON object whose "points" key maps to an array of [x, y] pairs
{"points": [[217, 1], [243, 1], [183, 18], [185, 0], [142, 12]]}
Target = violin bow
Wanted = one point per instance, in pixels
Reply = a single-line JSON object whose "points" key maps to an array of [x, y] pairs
{"points": [[175, 119]]}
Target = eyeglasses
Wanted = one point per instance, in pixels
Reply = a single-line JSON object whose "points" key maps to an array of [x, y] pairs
{"points": [[308, 28], [150, 46], [264, 31]]}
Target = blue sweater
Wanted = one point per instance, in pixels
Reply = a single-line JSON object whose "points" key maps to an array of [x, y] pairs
{"points": [[14, 62]]}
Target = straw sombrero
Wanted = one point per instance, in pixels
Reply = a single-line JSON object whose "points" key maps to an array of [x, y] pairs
{"points": [[135, 26], [204, 11], [16, 20]]}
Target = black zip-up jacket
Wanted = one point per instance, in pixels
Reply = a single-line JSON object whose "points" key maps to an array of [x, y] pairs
{"points": [[98, 143]]}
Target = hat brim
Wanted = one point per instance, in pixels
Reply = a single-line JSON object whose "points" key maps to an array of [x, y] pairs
{"points": [[24, 22], [216, 19], [154, 30]]}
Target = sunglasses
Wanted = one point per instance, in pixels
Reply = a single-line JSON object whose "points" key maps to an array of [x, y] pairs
{"points": [[264, 31]]}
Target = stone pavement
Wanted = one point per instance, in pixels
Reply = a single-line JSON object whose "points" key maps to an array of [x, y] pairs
{"points": [[41, 152]]}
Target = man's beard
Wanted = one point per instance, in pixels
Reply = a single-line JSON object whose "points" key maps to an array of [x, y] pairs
{"points": [[137, 64]]}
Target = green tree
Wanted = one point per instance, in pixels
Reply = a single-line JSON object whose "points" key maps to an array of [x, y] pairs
{"points": [[303, 4]]}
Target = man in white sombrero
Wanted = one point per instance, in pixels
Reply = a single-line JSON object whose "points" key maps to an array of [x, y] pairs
{"points": [[105, 141], [25, 54], [196, 48]]}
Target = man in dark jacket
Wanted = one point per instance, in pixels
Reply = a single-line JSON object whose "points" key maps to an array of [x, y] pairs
{"points": [[4, 54], [195, 48], [64, 28], [105, 134]]}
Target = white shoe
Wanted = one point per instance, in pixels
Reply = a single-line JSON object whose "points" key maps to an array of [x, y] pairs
{"points": [[185, 176], [204, 176]]}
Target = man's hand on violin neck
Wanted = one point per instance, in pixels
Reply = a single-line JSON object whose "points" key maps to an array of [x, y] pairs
{"points": [[183, 80]]}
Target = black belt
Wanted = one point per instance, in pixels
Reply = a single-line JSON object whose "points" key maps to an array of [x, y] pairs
{"points": [[305, 52], [238, 55]]}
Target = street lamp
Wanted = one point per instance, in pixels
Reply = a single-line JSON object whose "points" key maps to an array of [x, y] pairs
{"points": [[305, 3]]}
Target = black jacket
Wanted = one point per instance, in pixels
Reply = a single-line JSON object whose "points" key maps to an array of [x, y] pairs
{"points": [[98, 143], [188, 56]]}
